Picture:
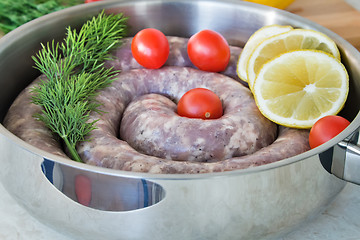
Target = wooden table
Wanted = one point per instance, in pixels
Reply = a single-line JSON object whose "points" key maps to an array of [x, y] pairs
{"points": [[336, 15]]}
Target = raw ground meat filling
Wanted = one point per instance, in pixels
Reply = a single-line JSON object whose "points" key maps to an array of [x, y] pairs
{"points": [[140, 130]]}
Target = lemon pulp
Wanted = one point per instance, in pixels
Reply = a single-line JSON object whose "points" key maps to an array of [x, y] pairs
{"points": [[297, 88], [292, 40]]}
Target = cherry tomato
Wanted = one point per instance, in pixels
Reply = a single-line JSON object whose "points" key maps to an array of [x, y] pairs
{"points": [[325, 129], [150, 48], [89, 1], [200, 103], [209, 51]]}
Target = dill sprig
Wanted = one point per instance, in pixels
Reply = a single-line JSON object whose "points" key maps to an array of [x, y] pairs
{"points": [[14, 13], [74, 73]]}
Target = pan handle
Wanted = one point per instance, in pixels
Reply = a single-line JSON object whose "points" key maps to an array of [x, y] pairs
{"points": [[343, 160], [97, 191]]}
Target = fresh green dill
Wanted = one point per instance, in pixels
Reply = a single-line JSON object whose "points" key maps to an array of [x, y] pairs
{"points": [[75, 71], [14, 13]]}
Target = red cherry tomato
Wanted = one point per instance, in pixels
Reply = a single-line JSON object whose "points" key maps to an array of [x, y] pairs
{"points": [[89, 1], [150, 48], [200, 103], [209, 51], [325, 129]]}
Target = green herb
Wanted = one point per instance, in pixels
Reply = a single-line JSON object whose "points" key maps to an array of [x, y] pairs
{"points": [[14, 13], [74, 73]]}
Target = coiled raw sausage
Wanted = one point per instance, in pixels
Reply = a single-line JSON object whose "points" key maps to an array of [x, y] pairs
{"points": [[139, 107]]}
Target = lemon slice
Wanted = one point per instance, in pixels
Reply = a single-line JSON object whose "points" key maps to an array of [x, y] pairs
{"points": [[297, 88], [292, 40], [254, 40]]}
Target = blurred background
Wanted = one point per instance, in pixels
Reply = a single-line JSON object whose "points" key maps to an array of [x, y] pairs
{"points": [[14, 13]]}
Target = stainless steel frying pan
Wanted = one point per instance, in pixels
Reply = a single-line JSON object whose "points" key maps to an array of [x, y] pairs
{"points": [[258, 203]]}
